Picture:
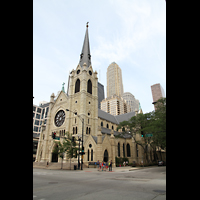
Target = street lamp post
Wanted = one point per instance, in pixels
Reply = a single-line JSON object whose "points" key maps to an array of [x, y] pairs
{"points": [[82, 120], [79, 139]]}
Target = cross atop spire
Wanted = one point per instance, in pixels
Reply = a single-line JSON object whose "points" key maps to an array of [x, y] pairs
{"points": [[63, 89], [85, 56]]}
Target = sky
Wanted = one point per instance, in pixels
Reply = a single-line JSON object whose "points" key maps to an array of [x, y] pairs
{"points": [[131, 33]]}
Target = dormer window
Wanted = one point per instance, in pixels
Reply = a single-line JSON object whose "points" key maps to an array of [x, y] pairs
{"points": [[81, 55]]}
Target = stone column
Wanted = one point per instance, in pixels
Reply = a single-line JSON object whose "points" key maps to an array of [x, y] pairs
{"points": [[112, 141], [99, 145]]}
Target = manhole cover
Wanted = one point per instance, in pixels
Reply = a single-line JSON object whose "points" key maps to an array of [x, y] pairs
{"points": [[53, 182], [160, 191]]}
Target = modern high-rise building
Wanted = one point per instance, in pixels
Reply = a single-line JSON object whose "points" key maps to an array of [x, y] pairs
{"points": [[114, 80], [39, 113], [115, 105], [157, 92], [100, 94], [131, 100]]}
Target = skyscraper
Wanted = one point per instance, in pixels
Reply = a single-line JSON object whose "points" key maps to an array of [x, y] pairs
{"points": [[157, 92], [100, 94], [114, 80], [131, 100]]}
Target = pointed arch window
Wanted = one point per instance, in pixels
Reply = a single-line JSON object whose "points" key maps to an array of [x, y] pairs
{"points": [[88, 155], [128, 150], [92, 155], [124, 151], [118, 149], [89, 86], [77, 86]]}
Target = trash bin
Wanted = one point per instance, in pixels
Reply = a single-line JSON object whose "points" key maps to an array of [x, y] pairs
{"points": [[74, 167]]}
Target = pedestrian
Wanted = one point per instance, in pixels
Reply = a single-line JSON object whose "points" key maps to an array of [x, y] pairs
{"points": [[102, 165], [106, 165], [110, 166], [124, 163], [98, 165]]}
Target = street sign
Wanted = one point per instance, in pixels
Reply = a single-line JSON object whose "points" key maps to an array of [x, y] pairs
{"points": [[149, 135]]}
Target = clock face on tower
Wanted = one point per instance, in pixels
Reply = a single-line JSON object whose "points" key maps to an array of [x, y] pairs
{"points": [[59, 118]]}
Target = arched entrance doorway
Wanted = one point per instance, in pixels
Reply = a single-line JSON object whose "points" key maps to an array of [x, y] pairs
{"points": [[55, 154], [105, 159]]}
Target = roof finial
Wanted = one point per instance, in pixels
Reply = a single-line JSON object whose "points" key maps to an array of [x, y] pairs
{"points": [[87, 24], [139, 106], [63, 87]]}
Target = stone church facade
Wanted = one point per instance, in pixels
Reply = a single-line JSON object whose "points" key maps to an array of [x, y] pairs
{"points": [[100, 128]]}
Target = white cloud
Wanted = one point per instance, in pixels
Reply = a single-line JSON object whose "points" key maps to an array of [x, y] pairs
{"points": [[130, 32]]}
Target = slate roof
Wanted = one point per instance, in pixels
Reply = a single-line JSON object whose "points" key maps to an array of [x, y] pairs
{"points": [[95, 138], [125, 117], [104, 115], [115, 119], [85, 56]]}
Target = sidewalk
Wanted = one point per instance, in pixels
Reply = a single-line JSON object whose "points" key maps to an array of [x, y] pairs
{"points": [[66, 166], [114, 169]]}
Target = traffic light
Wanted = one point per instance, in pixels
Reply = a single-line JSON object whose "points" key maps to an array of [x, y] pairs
{"points": [[54, 135], [142, 134]]}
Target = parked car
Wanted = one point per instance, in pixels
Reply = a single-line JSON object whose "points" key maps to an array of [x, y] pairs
{"points": [[161, 163]]}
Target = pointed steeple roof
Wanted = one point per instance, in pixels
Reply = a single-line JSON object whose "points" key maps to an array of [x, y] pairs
{"points": [[85, 56]]}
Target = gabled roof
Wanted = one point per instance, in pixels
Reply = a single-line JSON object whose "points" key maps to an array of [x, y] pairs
{"points": [[104, 115], [124, 117], [95, 138], [115, 119]]}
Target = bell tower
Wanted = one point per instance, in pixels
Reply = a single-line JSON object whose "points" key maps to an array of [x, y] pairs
{"points": [[83, 94]]}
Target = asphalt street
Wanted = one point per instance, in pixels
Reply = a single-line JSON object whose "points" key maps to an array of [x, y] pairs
{"points": [[89, 184]]}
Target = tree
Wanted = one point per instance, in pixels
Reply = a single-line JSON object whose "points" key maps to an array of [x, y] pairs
{"points": [[66, 146], [158, 126], [136, 128], [153, 122]]}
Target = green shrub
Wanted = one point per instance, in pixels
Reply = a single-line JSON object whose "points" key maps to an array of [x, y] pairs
{"points": [[119, 161]]}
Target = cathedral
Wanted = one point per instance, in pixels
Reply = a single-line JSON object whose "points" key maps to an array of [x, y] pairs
{"points": [[76, 112]]}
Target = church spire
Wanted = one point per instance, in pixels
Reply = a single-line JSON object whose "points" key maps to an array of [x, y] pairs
{"points": [[85, 56]]}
